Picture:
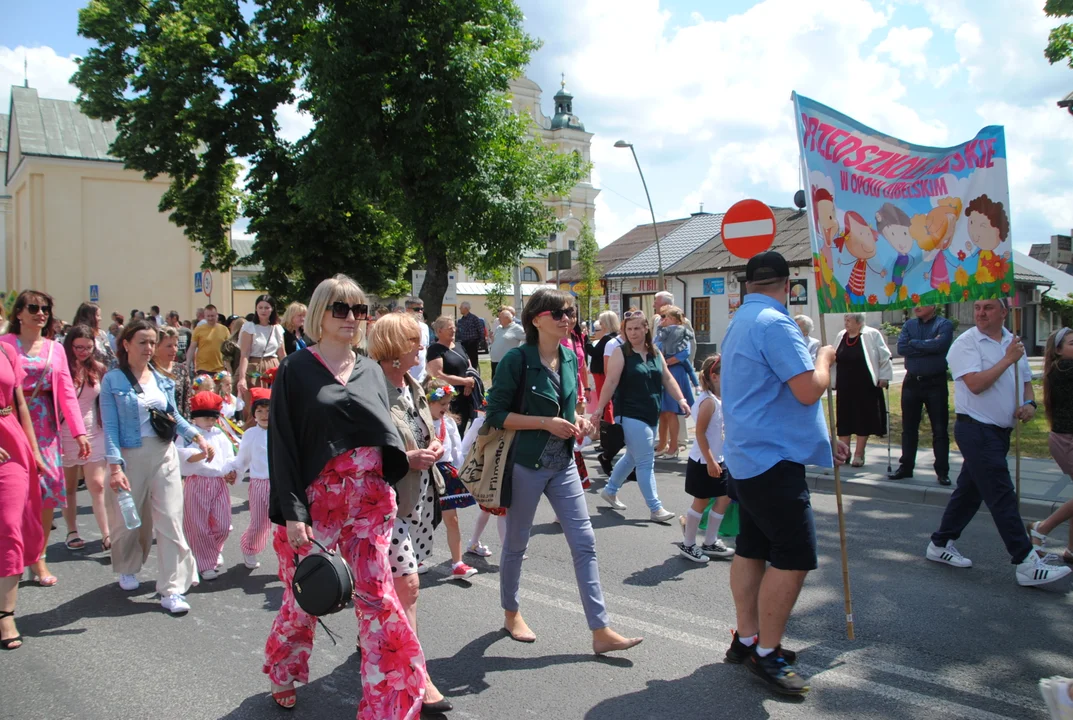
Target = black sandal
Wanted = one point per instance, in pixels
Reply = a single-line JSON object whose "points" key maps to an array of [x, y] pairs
{"points": [[5, 644], [77, 543]]}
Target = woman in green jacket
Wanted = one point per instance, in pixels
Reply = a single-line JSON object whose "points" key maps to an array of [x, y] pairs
{"points": [[545, 418]]}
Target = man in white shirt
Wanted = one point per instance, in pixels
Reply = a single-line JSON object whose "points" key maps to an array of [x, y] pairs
{"points": [[988, 402], [416, 308]]}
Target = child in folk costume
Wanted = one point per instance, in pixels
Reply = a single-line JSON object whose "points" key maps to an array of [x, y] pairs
{"points": [[706, 473], [206, 497], [456, 496], [233, 404], [253, 456]]}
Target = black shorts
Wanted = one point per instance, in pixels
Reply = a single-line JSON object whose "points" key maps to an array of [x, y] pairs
{"points": [[776, 518], [703, 486]]}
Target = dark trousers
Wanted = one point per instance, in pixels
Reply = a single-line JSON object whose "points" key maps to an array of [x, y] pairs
{"points": [[494, 371], [470, 346], [931, 393], [985, 477]]}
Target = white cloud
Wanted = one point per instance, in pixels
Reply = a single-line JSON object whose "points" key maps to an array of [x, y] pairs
{"points": [[907, 47], [48, 72]]}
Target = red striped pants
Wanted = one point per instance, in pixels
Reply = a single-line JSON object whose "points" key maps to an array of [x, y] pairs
{"points": [[255, 538], [206, 518]]}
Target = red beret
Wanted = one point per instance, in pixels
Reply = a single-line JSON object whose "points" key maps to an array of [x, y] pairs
{"points": [[206, 404], [259, 395]]}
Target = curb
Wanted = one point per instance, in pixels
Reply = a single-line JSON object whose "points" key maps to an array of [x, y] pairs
{"points": [[823, 480]]}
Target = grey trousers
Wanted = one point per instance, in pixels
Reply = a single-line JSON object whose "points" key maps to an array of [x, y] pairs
{"points": [[564, 492]]}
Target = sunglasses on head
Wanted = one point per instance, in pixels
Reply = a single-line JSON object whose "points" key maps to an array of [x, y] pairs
{"points": [[340, 310], [34, 308], [628, 314], [558, 315]]}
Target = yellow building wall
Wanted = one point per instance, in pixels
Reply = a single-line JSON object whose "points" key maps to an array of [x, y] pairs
{"points": [[244, 302], [80, 223]]}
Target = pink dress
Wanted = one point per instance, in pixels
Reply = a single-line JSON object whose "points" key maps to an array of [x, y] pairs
{"points": [[20, 491], [87, 402]]}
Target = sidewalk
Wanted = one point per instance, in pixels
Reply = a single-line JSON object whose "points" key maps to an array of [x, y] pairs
{"points": [[1043, 485]]}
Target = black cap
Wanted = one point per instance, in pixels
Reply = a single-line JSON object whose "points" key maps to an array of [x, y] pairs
{"points": [[768, 265]]}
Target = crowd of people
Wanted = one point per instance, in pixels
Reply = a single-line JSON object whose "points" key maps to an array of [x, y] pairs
{"points": [[352, 424]]}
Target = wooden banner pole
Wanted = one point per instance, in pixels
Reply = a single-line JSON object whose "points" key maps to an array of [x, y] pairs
{"points": [[846, 592]]}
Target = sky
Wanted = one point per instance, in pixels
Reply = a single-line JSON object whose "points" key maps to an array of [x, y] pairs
{"points": [[702, 89]]}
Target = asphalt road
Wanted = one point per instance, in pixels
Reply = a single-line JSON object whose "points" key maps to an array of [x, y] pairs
{"points": [[932, 641]]}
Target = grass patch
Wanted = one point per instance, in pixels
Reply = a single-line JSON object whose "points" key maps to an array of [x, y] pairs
{"points": [[1033, 434]]}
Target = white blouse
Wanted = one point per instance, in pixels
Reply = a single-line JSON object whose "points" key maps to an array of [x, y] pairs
{"points": [[267, 339]]}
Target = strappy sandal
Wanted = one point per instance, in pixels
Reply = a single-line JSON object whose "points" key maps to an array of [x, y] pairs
{"points": [[46, 581], [1037, 535], [286, 699], [106, 543], [9, 643], [858, 461], [76, 543]]}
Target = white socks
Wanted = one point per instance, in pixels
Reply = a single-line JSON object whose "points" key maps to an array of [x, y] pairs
{"points": [[689, 533], [478, 527], [748, 641], [764, 652], [712, 533]]}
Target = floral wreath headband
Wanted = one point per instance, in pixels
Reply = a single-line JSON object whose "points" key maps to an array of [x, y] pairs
{"points": [[199, 381], [441, 392], [221, 376]]}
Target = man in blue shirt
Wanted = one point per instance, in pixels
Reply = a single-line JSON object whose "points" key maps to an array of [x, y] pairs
{"points": [[774, 427], [924, 342]]}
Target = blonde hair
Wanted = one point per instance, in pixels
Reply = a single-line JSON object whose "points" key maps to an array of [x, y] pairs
{"points": [[674, 311], [608, 321], [293, 310], [390, 337], [441, 322], [334, 289]]}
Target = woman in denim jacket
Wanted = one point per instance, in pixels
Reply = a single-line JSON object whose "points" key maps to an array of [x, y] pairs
{"points": [[147, 467]]}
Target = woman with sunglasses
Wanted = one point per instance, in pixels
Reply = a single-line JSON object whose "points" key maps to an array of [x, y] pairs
{"points": [[86, 372], [334, 455], [636, 377], [547, 430], [449, 362], [261, 344], [49, 392]]}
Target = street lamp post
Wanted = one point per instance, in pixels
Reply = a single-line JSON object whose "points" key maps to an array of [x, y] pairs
{"points": [[655, 230]]}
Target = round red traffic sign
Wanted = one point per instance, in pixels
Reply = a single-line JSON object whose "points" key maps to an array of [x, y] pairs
{"points": [[206, 283], [748, 228]]}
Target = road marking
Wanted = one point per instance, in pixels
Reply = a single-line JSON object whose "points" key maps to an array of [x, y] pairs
{"points": [[820, 676]]}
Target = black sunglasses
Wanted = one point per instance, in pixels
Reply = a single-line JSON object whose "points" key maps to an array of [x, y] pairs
{"points": [[558, 315], [33, 309], [340, 310]]}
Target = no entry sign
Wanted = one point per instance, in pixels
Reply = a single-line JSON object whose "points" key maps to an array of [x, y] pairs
{"points": [[748, 228]]}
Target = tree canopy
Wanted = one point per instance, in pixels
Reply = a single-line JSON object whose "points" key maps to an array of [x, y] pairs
{"points": [[414, 157], [1060, 40]]}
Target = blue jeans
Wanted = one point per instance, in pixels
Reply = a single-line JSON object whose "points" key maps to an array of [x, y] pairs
{"points": [[985, 477], [563, 488], [640, 455]]}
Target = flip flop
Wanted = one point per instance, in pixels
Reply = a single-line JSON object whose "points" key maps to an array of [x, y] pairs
{"points": [[75, 543], [46, 581]]}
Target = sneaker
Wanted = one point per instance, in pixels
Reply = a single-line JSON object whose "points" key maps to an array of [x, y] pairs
{"points": [[777, 672], [1036, 571], [612, 500], [462, 571], [175, 604], [1055, 692], [738, 652], [662, 515], [948, 555], [422, 568], [251, 561], [480, 550], [128, 582], [209, 574], [692, 552], [718, 549]]}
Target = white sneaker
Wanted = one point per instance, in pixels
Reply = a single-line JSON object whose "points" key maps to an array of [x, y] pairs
{"points": [[175, 604], [209, 575], [480, 550], [1035, 571], [662, 515], [128, 582], [948, 555], [422, 568], [693, 553], [612, 500], [1055, 692], [251, 561]]}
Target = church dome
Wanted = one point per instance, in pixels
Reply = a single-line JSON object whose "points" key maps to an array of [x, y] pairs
{"points": [[564, 111]]}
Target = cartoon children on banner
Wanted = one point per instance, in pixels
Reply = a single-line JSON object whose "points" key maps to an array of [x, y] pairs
{"points": [[823, 213], [989, 226], [859, 241], [934, 232], [893, 224]]}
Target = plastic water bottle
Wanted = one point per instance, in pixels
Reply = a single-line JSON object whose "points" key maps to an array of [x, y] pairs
{"points": [[130, 513]]}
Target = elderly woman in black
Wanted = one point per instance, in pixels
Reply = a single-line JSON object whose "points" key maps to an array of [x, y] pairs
{"points": [[535, 394], [334, 455]]}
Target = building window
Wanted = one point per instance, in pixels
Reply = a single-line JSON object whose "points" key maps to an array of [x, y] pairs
{"points": [[573, 245], [530, 275]]}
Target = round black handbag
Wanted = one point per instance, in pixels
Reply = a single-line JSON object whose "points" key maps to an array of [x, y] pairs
{"points": [[323, 582]]}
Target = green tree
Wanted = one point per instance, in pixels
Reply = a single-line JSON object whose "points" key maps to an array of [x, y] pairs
{"points": [[500, 287], [411, 109], [590, 293], [1060, 40]]}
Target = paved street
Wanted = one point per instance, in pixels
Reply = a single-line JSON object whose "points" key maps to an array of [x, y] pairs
{"points": [[931, 642]]}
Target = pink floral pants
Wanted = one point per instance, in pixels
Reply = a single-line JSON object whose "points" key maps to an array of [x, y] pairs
{"points": [[353, 510]]}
